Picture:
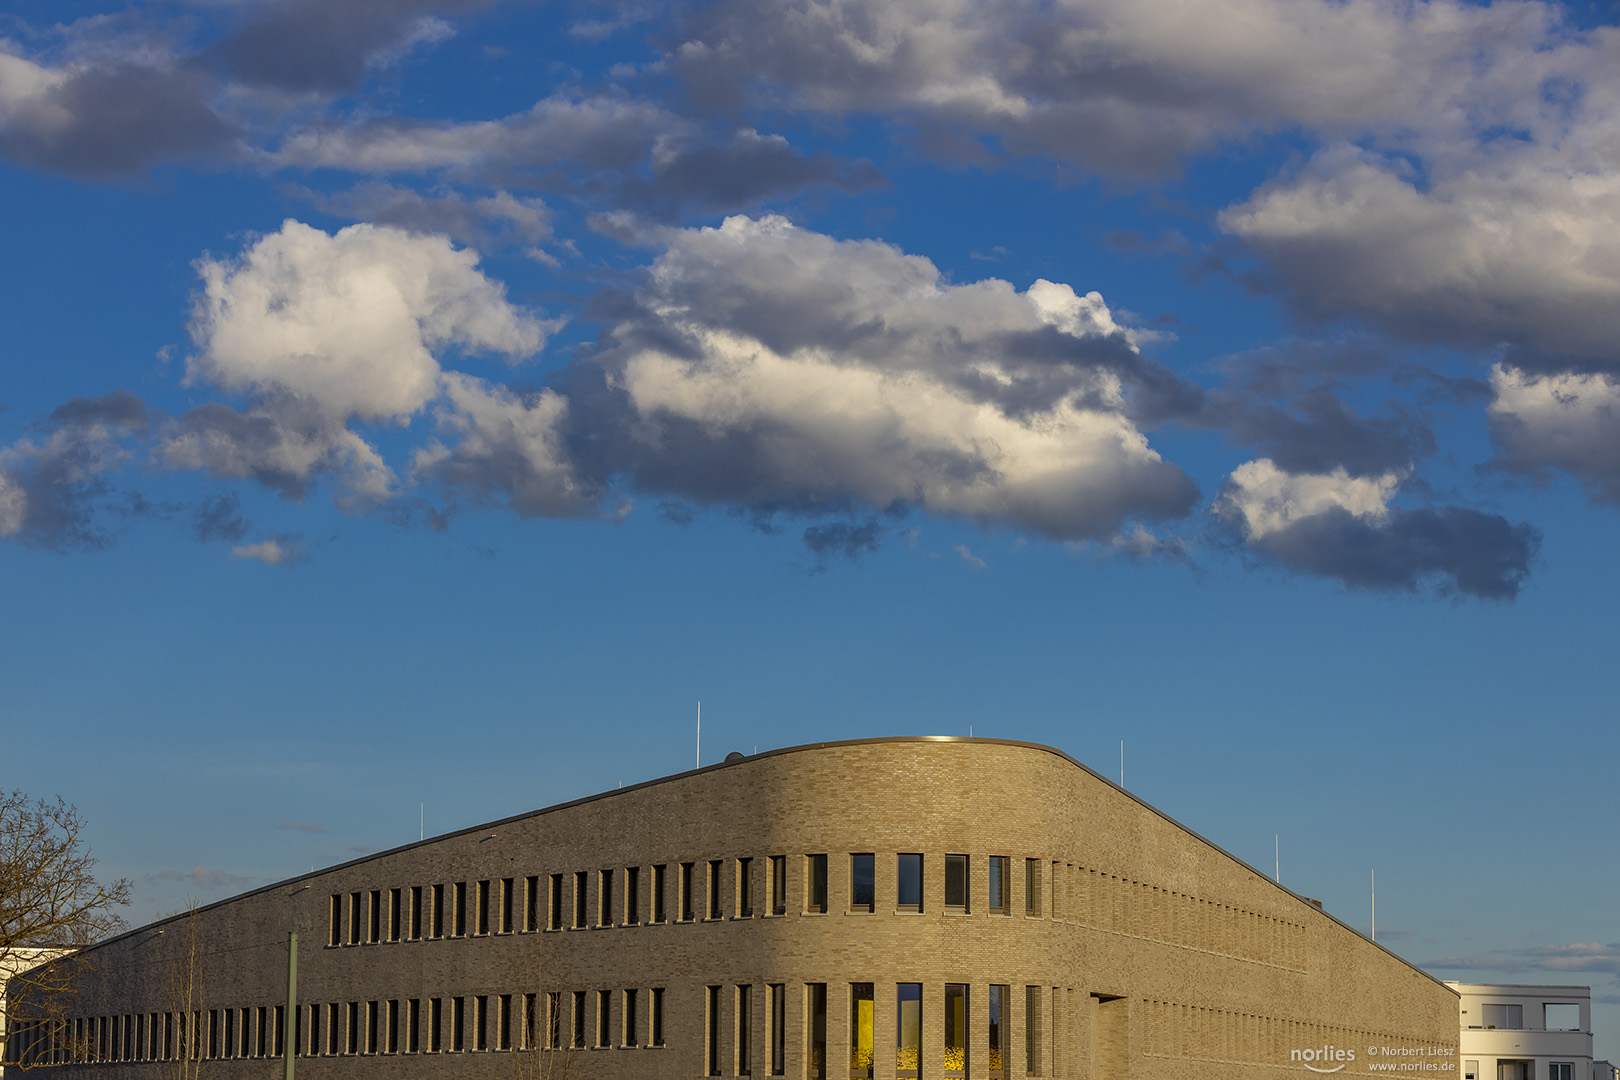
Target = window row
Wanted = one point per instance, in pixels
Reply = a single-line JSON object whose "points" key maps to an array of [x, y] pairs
{"points": [[250, 1032], [1172, 1030]]}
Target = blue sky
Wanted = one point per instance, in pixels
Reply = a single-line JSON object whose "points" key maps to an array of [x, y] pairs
{"points": [[416, 407]]}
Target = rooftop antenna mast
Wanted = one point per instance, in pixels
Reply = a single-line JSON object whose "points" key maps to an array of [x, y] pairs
{"points": [[1374, 877], [1276, 841], [1122, 763], [699, 764]]}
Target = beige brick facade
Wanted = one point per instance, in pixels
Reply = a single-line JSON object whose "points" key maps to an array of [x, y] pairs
{"points": [[1151, 951]]}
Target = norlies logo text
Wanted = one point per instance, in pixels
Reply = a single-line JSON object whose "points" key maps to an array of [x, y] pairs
{"points": [[1323, 1054]]}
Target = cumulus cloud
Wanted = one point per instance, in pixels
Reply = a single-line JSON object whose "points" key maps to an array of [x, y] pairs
{"points": [[1568, 422], [277, 551], [53, 479], [500, 219], [767, 366], [1339, 526]]}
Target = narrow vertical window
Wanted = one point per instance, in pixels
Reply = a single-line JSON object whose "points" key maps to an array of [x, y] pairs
{"points": [[712, 1053], [506, 904], [956, 883], [632, 1020], [604, 906], [632, 895], [604, 1018], [909, 879], [416, 913], [554, 1025], [996, 1034], [1032, 887], [1057, 890], [714, 889], [354, 918], [686, 892], [862, 882], [815, 890], [435, 1025], [438, 911], [315, 1046], [778, 884], [816, 1035], [413, 1025], [481, 917], [396, 899], [391, 1029], [998, 884], [745, 1032], [371, 1027], [459, 916], [778, 1029], [352, 1042], [658, 913], [655, 1030], [334, 934], [861, 1044], [1032, 1030], [531, 903], [334, 1030], [556, 902], [579, 1019], [908, 1031], [527, 1037], [503, 1024], [458, 1024], [374, 927], [581, 910], [745, 888], [956, 1029], [480, 1022]]}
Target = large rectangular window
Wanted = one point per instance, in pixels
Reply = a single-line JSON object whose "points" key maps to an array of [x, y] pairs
{"points": [[658, 889], [908, 1031], [711, 1054], [956, 1030], [604, 1018], [436, 1025], [581, 908], [556, 915], [391, 1031], [1032, 1030], [503, 1021], [815, 891], [480, 1024], [778, 885], [604, 905], [745, 1033], [1504, 1016], [816, 1030], [413, 1025], [334, 1030], [632, 1020], [714, 888], [996, 1033], [861, 1045], [1561, 1016], [352, 1041], [458, 1024], [632, 895], [909, 883], [778, 1029], [1032, 887], [956, 883], [655, 1023], [862, 886], [1000, 886], [745, 888]]}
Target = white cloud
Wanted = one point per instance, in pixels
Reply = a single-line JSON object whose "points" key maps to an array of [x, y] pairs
{"points": [[270, 552], [1569, 422], [13, 506], [349, 322], [1266, 499]]}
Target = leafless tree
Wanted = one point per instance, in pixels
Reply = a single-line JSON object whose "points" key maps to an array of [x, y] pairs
{"points": [[548, 1051], [186, 995], [50, 903]]}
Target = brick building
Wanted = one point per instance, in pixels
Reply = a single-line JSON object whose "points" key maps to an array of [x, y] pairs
{"points": [[900, 909]]}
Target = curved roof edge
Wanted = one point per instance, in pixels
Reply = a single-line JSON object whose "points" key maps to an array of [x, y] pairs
{"points": [[302, 880]]}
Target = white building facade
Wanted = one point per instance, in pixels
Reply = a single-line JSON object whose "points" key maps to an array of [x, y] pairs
{"points": [[1524, 1032]]}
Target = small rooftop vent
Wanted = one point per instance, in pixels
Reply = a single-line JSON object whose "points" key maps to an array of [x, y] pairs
{"points": [[734, 756]]}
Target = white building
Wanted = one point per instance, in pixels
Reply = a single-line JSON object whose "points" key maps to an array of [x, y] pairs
{"points": [[1525, 1032]]}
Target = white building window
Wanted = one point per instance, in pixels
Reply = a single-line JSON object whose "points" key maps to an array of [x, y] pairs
{"points": [[1560, 1070], [1504, 1016]]}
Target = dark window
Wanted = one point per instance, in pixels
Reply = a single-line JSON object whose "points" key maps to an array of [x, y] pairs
{"points": [[655, 1031], [482, 924], [530, 1004], [604, 1018], [999, 884], [354, 918], [686, 891], [395, 899], [314, 1032], [816, 1006], [861, 887], [632, 895], [278, 1017], [714, 889], [632, 1036], [778, 1029], [909, 891], [506, 904], [503, 1035], [745, 888], [352, 1043], [581, 912], [435, 1024], [335, 931], [458, 1023], [659, 874], [531, 904], [556, 901], [908, 1031], [391, 1036], [1032, 886], [996, 1043], [745, 1013], [956, 1029], [480, 1023], [712, 1057], [604, 905], [861, 1047], [778, 884], [438, 913], [334, 1032], [554, 1025], [815, 894], [459, 917], [371, 1027], [956, 882], [579, 1019], [374, 929], [416, 912], [413, 1026], [1032, 1030]]}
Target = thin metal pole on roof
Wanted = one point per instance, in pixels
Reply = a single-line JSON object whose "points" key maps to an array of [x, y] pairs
{"points": [[1122, 763], [699, 763], [421, 821], [1374, 874], [1276, 840]]}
